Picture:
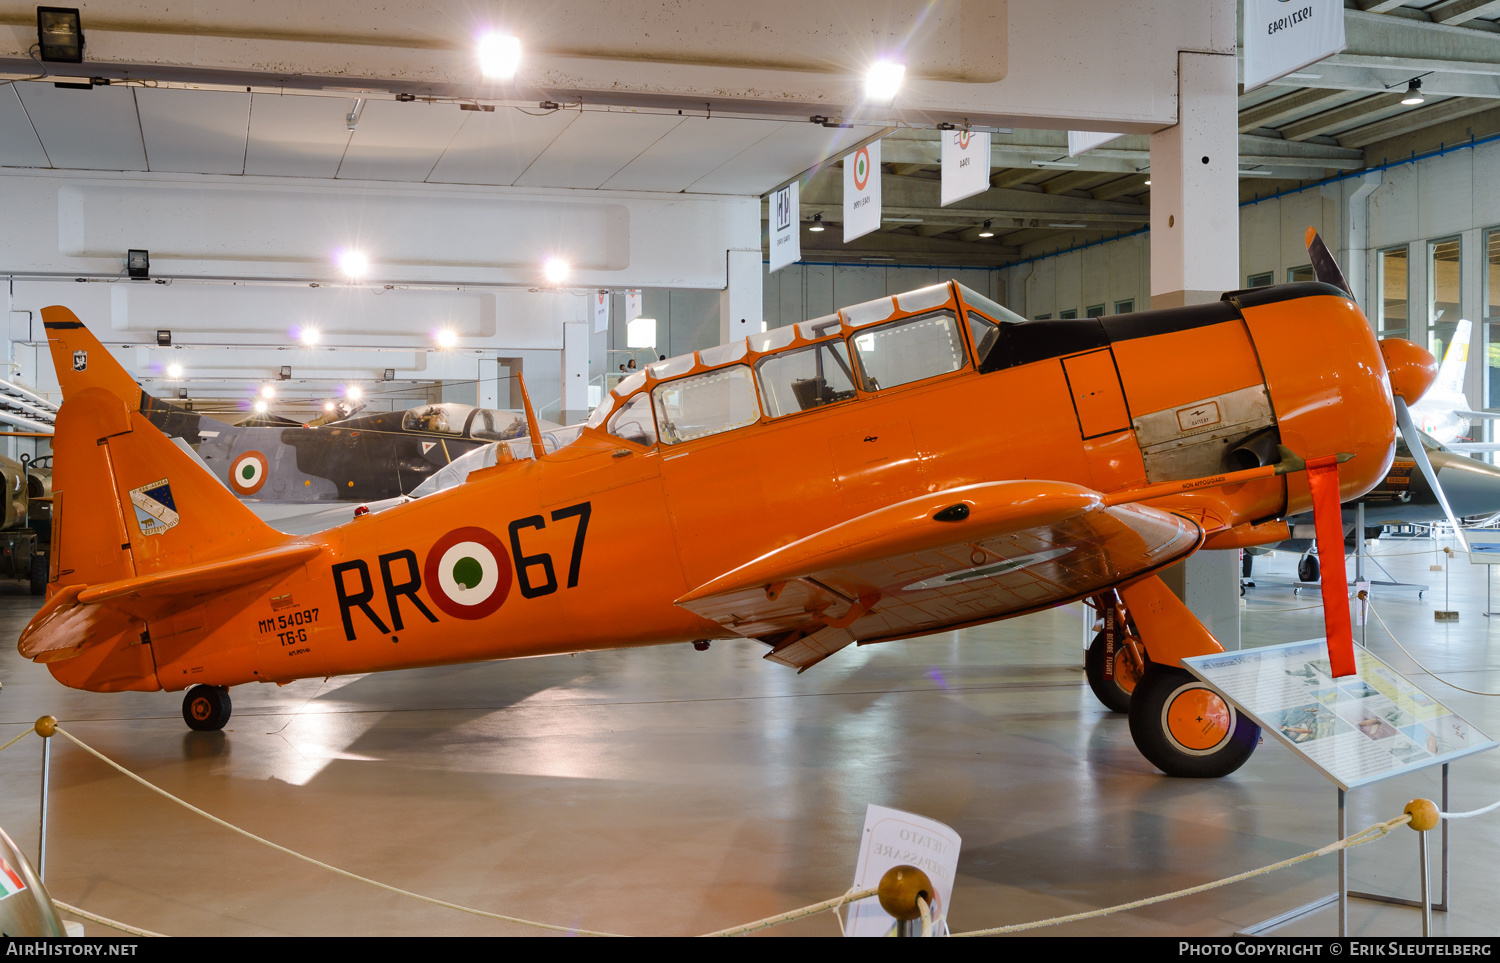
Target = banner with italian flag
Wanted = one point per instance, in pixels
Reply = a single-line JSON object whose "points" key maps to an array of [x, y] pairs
{"points": [[862, 191]]}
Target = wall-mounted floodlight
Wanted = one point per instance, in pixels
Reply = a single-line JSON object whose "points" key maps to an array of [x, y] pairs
{"points": [[327, 406], [555, 270], [388, 375], [353, 264], [354, 392], [138, 263], [499, 55], [882, 81], [1414, 94], [59, 33], [286, 372], [641, 333], [163, 338]]}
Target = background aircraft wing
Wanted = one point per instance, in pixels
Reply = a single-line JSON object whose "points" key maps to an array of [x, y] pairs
{"points": [[940, 560]]}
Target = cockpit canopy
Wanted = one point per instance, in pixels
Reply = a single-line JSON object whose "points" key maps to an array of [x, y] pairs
{"points": [[465, 421], [861, 350]]}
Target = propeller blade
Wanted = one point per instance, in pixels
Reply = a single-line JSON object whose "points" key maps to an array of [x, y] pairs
{"points": [[1325, 267], [1419, 455]]}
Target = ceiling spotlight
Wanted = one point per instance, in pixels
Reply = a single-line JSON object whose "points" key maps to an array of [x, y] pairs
{"points": [[354, 392], [388, 374], [261, 407], [555, 270], [269, 391], [882, 81], [138, 263], [986, 232], [817, 224], [310, 336], [59, 33], [1414, 93], [174, 371], [445, 337], [354, 264], [163, 338], [1148, 182], [499, 55]]}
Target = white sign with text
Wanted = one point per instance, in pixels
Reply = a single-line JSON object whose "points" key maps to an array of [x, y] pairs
{"points": [[1282, 36], [893, 838], [632, 304], [786, 227], [862, 192], [966, 164], [1080, 141], [601, 312]]}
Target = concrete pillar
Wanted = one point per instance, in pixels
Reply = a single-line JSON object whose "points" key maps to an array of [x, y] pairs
{"points": [[740, 309], [489, 383], [1195, 240], [575, 371]]}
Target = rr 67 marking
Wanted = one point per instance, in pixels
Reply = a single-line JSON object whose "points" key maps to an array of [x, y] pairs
{"points": [[290, 627]]}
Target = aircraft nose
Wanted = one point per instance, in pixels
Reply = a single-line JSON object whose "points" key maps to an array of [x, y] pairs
{"points": [[1412, 368]]}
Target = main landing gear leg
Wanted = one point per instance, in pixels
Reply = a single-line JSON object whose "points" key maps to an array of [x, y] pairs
{"points": [[206, 708], [1180, 725], [1115, 659]]}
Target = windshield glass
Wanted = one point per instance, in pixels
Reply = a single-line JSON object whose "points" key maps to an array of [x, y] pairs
{"points": [[456, 471], [706, 404], [633, 421]]}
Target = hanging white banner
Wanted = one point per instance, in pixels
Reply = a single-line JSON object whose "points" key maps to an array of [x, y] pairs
{"points": [[893, 838], [1086, 140], [862, 192], [601, 311], [632, 304], [966, 164], [1286, 35], [786, 227]]}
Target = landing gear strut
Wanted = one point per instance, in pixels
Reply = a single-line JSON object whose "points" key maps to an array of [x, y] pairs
{"points": [[206, 708], [1115, 659]]}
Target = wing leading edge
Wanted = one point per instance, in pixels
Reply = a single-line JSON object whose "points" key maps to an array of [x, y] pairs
{"points": [[941, 560]]}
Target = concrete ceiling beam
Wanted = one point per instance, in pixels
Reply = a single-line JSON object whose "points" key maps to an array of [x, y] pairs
{"points": [[1414, 119]]}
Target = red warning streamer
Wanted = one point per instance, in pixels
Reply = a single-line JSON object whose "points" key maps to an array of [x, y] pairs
{"points": [[1328, 520]]}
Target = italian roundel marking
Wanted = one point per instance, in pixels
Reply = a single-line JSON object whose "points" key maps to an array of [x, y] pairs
{"points": [[248, 473], [468, 573]]}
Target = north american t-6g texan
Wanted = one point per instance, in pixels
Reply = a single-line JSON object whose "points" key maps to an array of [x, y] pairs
{"points": [[917, 463]]}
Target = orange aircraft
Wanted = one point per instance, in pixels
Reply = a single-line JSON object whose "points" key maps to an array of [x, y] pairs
{"points": [[914, 464]]}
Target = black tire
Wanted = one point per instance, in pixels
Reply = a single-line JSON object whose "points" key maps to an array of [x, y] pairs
{"points": [[1308, 568], [1151, 725], [38, 574], [1114, 695], [206, 708]]}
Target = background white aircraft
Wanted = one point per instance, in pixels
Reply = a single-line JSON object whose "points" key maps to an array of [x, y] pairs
{"points": [[1444, 412]]}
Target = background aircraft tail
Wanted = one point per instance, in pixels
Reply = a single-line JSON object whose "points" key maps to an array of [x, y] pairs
{"points": [[1450, 379]]}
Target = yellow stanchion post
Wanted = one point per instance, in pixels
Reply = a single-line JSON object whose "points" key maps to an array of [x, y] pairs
{"points": [[1424, 818], [903, 891]]}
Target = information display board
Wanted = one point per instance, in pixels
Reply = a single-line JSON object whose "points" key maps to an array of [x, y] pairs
{"points": [[1355, 730]]}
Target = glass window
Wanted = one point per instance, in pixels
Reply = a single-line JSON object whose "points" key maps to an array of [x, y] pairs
{"points": [[901, 352], [997, 312], [446, 419], [1043, 317], [1443, 286], [806, 378], [1391, 321], [1261, 280], [492, 425], [1067, 315], [1125, 307], [985, 334], [1094, 311], [1302, 272], [633, 421], [1491, 301], [706, 404]]}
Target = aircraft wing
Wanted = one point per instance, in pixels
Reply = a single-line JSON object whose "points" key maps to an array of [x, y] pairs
{"points": [[1471, 446], [1466, 413], [940, 560]]}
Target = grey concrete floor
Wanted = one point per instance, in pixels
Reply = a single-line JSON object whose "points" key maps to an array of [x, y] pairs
{"points": [[668, 791]]}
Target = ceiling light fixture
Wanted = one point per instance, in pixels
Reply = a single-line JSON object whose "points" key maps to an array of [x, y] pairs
{"points": [[817, 224], [269, 391], [174, 371], [445, 337], [354, 264], [985, 231], [1258, 172], [59, 33], [327, 406], [354, 392], [883, 80], [261, 407], [499, 55], [1054, 163], [1073, 224], [1414, 93], [555, 270], [310, 336]]}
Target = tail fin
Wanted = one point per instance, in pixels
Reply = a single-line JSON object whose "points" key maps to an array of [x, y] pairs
{"points": [[82, 362], [138, 529], [1450, 377]]}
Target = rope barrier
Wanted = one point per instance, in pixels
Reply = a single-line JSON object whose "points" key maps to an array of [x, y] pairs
{"points": [[105, 921], [1472, 812], [29, 731], [851, 896], [317, 862], [1424, 668], [1366, 835]]}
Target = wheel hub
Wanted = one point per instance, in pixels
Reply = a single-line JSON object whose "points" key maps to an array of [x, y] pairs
{"points": [[1197, 719]]}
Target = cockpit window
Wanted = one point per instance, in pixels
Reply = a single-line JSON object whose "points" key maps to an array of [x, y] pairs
{"points": [[985, 334], [633, 421], [706, 404], [908, 350], [446, 419], [806, 378], [492, 425]]}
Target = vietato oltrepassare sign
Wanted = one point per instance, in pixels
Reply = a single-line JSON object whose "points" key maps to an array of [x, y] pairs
{"points": [[1282, 36]]}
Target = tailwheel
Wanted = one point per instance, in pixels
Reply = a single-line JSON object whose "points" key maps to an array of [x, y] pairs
{"points": [[1184, 728], [206, 708], [1113, 692]]}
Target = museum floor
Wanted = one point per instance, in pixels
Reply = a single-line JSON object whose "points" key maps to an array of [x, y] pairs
{"points": [[668, 791]]}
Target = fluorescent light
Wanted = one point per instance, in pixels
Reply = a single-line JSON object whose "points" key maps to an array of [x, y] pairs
{"points": [[882, 81], [902, 220], [310, 336], [1257, 173], [1068, 224], [445, 337], [499, 55], [354, 264], [1414, 94], [555, 270], [174, 371], [1053, 163]]}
